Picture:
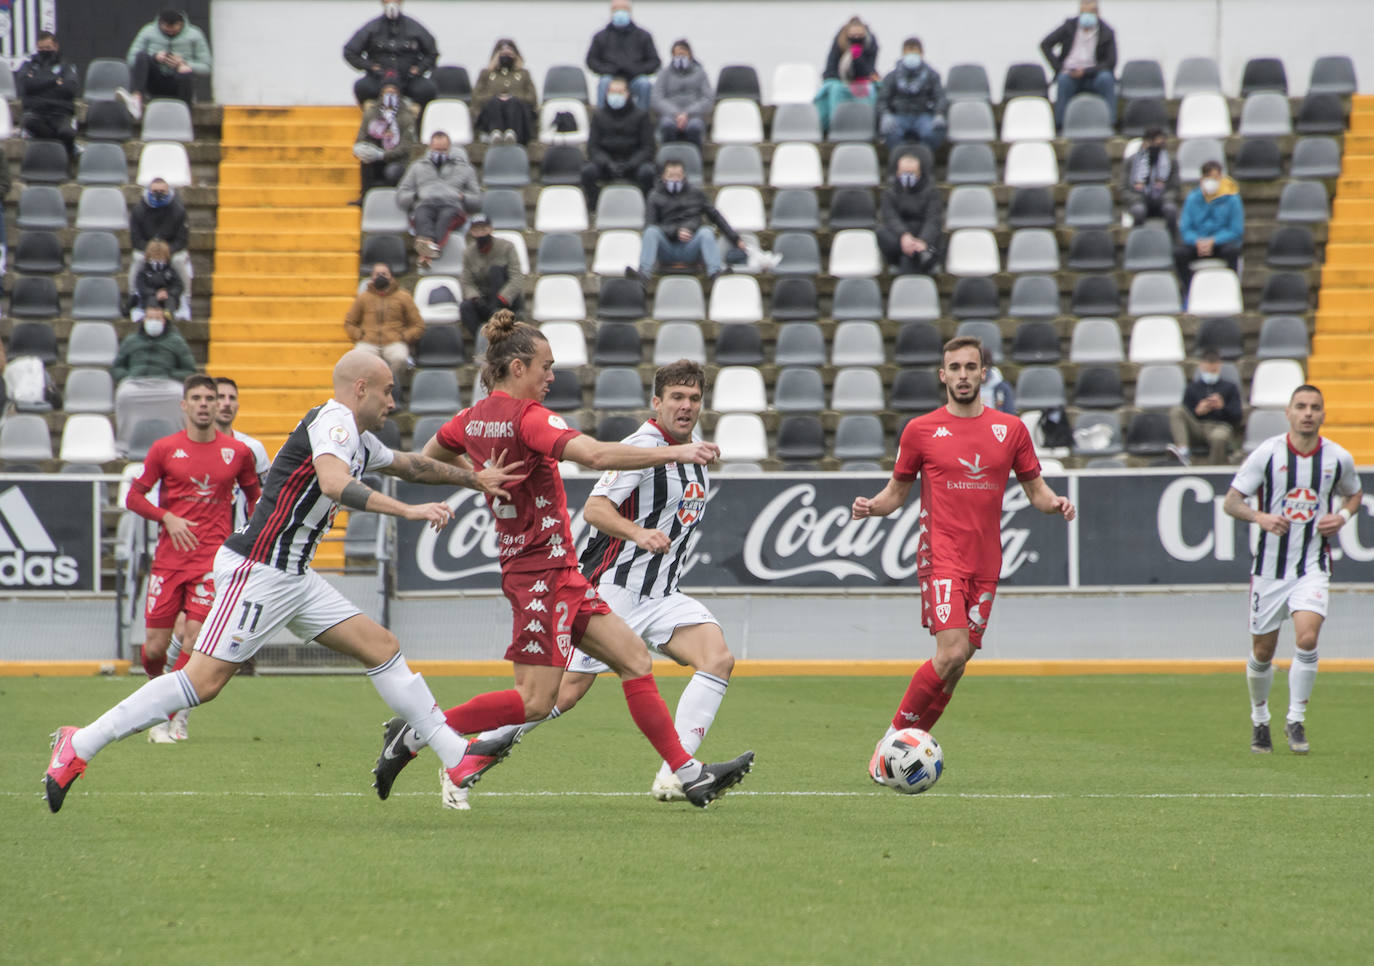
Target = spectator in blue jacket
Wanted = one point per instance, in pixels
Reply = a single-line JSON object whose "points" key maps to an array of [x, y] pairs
{"points": [[1212, 224]]}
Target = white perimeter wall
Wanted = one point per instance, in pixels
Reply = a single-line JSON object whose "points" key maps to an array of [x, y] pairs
{"points": [[290, 51]]}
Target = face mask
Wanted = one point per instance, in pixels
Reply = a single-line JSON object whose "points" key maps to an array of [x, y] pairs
{"points": [[438, 157], [1210, 378], [908, 180], [47, 56], [616, 101], [382, 282], [682, 63], [483, 243], [856, 40], [1087, 20], [393, 11], [621, 18], [154, 327], [158, 199], [911, 61], [391, 101], [507, 61], [157, 266], [1211, 186], [672, 187]]}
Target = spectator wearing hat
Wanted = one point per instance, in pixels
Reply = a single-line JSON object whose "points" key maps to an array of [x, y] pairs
{"points": [[491, 278], [683, 98]]}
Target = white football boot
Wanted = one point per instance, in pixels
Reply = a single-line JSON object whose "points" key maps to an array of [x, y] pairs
{"points": [[451, 794]]}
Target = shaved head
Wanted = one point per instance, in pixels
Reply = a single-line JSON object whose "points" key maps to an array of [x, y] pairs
{"points": [[363, 383], [358, 364]]}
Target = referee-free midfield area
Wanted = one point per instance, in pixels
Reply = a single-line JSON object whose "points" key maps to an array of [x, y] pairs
{"points": [[1116, 819]]}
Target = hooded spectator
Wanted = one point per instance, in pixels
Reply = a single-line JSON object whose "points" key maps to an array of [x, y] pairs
{"points": [[851, 70], [912, 101], [388, 138], [47, 90], [683, 98], [504, 101], [160, 214], [911, 219], [393, 47], [164, 60], [438, 192], [624, 49]]}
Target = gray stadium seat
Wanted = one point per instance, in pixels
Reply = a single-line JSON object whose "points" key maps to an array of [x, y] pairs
{"points": [[102, 163], [381, 213], [1154, 293], [167, 119], [452, 81], [1140, 78], [859, 437], [434, 391], [1144, 113], [1195, 75], [1303, 201], [1149, 435], [96, 297], [1095, 295], [1333, 75], [33, 339], [1159, 386], [565, 80], [795, 299], [1263, 74], [1024, 80], [913, 298], [857, 298], [1263, 424], [1096, 341], [1148, 248], [24, 437], [1097, 434], [1034, 297], [1283, 337], [440, 347], [41, 208], [505, 208], [103, 76], [1284, 292], [986, 332], [101, 208], [795, 209], [1222, 334], [1092, 250], [1291, 246], [857, 389], [1088, 163], [968, 82], [1088, 206], [618, 388], [796, 122], [852, 208], [88, 391], [141, 436], [1259, 159], [1087, 119], [800, 438], [738, 164], [390, 249], [1033, 250], [1039, 387], [854, 165], [1194, 153], [971, 206], [506, 166], [620, 206], [1265, 114], [971, 121], [687, 155], [92, 344], [799, 389], [1316, 158], [974, 298], [360, 536], [857, 343], [801, 254], [853, 121], [561, 253], [972, 163], [679, 340], [617, 344], [679, 298], [800, 344]]}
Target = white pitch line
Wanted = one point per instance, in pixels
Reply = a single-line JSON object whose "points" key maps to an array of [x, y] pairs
{"points": [[985, 796]]}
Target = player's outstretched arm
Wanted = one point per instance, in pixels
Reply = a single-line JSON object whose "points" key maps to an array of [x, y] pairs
{"points": [[892, 498], [601, 513], [337, 484], [1046, 500], [1235, 506], [425, 468], [621, 456]]}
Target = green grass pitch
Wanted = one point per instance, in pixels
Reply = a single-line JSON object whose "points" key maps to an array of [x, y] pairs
{"points": [[1094, 820]]}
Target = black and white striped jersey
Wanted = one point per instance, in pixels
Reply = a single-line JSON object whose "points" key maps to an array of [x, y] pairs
{"points": [[669, 498], [1301, 487], [261, 464], [294, 513]]}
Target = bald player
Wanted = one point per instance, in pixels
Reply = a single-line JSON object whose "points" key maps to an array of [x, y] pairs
{"points": [[266, 584]]}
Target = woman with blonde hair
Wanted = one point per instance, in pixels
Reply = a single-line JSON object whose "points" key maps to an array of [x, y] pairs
{"points": [[156, 283], [504, 100], [851, 70]]}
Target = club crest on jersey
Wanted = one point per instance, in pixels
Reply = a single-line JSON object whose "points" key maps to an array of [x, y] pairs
{"points": [[1000, 431], [608, 478], [338, 434], [693, 502], [1300, 504], [228, 454], [557, 421]]}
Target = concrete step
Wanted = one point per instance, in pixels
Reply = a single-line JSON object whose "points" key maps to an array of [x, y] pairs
{"points": [[258, 422], [288, 404], [287, 240], [1322, 368], [339, 152], [285, 197], [270, 263], [238, 173], [1349, 413], [286, 330], [267, 218], [1343, 346], [303, 355], [267, 376], [274, 114], [1348, 276], [302, 285], [288, 309], [1341, 322], [1339, 299], [1342, 392], [1343, 254], [1348, 230], [340, 131]]}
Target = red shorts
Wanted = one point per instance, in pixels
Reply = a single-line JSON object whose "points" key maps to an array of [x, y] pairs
{"points": [[172, 591], [551, 611], [950, 603]]}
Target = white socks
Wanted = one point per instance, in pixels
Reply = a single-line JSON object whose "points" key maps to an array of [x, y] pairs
{"points": [[1301, 676], [150, 704], [173, 653], [406, 693], [413, 743], [696, 710], [1259, 677]]}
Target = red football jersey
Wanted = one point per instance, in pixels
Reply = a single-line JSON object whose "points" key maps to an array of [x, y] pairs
{"points": [[532, 528], [197, 485], [963, 463]]}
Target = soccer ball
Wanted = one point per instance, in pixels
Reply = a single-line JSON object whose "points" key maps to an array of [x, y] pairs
{"points": [[909, 761]]}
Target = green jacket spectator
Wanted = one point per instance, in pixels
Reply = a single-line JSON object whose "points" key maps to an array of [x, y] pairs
{"points": [[164, 60], [145, 356]]}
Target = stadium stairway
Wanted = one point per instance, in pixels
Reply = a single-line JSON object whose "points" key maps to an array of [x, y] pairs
{"points": [[286, 264], [1342, 360]]}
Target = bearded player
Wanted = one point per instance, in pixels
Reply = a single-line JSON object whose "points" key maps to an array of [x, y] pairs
{"points": [[963, 453]]}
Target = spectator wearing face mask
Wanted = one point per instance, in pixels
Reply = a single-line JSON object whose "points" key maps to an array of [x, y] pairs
{"points": [[1082, 53], [47, 90], [160, 214], [1212, 224], [504, 100], [683, 98], [155, 350], [438, 191], [911, 217], [1150, 182], [624, 49], [157, 282], [1210, 415], [491, 278], [620, 144], [675, 213], [851, 70], [164, 60], [393, 47], [388, 138], [384, 320], [912, 101]]}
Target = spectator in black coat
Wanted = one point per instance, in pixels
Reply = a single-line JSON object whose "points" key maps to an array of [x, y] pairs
{"points": [[158, 282], [910, 220], [674, 215], [912, 101], [1082, 53], [624, 49], [160, 214], [620, 144], [393, 47], [48, 89], [1210, 415]]}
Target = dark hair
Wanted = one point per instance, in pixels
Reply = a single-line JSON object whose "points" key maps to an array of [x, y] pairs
{"points": [[198, 381], [914, 42], [965, 342], [1307, 387], [226, 381], [682, 42], [45, 35], [1211, 166], [170, 17], [439, 134], [1153, 132], [674, 163], [684, 372], [508, 339], [1211, 355]]}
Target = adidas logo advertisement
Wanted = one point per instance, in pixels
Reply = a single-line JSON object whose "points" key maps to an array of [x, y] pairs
{"points": [[38, 526]]}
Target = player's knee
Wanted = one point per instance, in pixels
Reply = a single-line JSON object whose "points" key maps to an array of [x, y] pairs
{"points": [[388, 644], [1307, 641], [720, 662], [635, 664], [537, 706]]}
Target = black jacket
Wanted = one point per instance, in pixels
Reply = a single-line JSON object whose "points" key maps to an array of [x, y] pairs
{"points": [[624, 137], [920, 211], [167, 223], [866, 65], [1197, 390], [623, 50], [48, 87], [150, 279], [683, 210], [397, 45], [1062, 38], [912, 92]]}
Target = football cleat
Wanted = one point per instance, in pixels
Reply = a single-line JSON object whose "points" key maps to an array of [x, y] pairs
{"points": [[1260, 742], [1297, 737], [480, 758], [715, 779], [177, 727], [161, 734], [667, 788], [64, 768], [452, 796], [395, 756], [875, 766]]}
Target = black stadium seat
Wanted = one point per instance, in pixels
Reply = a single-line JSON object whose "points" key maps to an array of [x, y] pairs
{"points": [[45, 162], [33, 339], [1025, 80], [617, 344], [795, 300], [1031, 208], [739, 345], [1259, 159], [390, 249], [1142, 114], [38, 253], [974, 298], [452, 81], [1221, 334], [34, 297], [800, 438], [738, 80], [621, 298]]}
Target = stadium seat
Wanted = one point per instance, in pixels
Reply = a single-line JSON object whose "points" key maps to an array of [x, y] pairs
{"points": [[1034, 297], [857, 389], [1333, 75], [1095, 341], [856, 298], [853, 165], [360, 536], [88, 438], [1087, 119], [739, 389], [45, 162], [913, 298], [618, 388], [390, 249], [1156, 339], [1159, 386], [679, 340], [917, 390], [800, 438], [800, 253], [1149, 435], [1154, 293], [1024, 80], [1283, 337], [737, 121], [795, 83], [1031, 208], [1027, 119], [738, 80], [1316, 158], [1039, 387], [1221, 334], [1261, 425], [434, 391], [920, 152], [96, 298], [1142, 114], [1259, 159], [1088, 163], [1192, 155], [1033, 250], [970, 121], [1304, 202], [850, 208], [1265, 114], [1031, 164], [853, 121], [795, 165], [100, 163], [1098, 387], [452, 80], [561, 253], [795, 299], [617, 344], [549, 111], [1097, 434], [739, 345], [568, 343], [857, 343], [92, 344], [854, 254], [859, 437], [1035, 343], [440, 346], [795, 209], [381, 213], [558, 297], [437, 298], [1273, 381], [1092, 250], [968, 82], [1088, 206], [1263, 74], [738, 164], [1149, 248], [39, 253], [166, 160], [559, 208], [971, 206], [108, 121], [622, 299], [679, 298], [167, 119], [516, 240], [1095, 295], [1321, 114], [565, 392], [972, 163], [24, 438], [506, 166], [565, 81], [986, 332], [101, 208], [742, 208], [1284, 293], [563, 164], [741, 436], [1196, 75], [1204, 115], [34, 297], [972, 251], [33, 338], [1140, 78], [974, 298], [735, 298], [796, 122], [683, 152], [105, 75], [615, 252], [918, 344], [1215, 291]]}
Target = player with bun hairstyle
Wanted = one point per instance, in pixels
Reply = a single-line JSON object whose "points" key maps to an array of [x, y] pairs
{"points": [[556, 609]]}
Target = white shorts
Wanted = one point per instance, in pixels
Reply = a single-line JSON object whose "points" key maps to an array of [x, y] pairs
{"points": [[1272, 599], [652, 618], [256, 600]]}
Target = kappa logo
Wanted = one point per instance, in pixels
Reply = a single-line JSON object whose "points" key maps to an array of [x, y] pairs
{"points": [[941, 433], [557, 551], [537, 606], [28, 556], [539, 587], [548, 522], [180, 454], [532, 648], [976, 469], [228, 453], [534, 627], [540, 502], [1000, 431], [908, 716]]}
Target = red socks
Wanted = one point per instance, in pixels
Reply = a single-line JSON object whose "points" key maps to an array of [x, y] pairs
{"points": [[153, 666], [651, 717], [487, 712], [182, 659], [923, 695]]}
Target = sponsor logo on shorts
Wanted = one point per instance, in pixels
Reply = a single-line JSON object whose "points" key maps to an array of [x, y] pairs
{"points": [[534, 627], [536, 605], [532, 648], [539, 587]]}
